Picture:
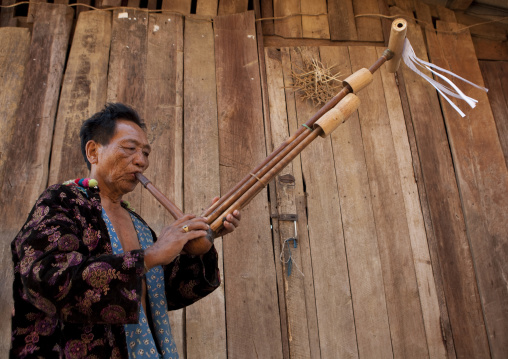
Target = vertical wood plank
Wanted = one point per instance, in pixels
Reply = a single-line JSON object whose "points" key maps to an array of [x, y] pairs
{"points": [[163, 116], [267, 11], [127, 67], [444, 319], [331, 279], [288, 185], [315, 26], [487, 49], [14, 51], [483, 184], [369, 29], [421, 255], [27, 156], [495, 76], [80, 9], [7, 14], [342, 21], [292, 25], [32, 9], [404, 308], [227, 7], [84, 91], [301, 211], [133, 3], [102, 4], [206, 319], [363, 258], [251, 301], [455, 260], [207, 7], [151, 5], [179, 6]]}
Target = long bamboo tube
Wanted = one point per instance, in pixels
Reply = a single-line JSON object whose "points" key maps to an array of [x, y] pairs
{"points": [[294, 137], [255, 181], [286, 147]]}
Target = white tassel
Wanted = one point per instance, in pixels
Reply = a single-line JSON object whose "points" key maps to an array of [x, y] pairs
{"points": [[411, 61]]}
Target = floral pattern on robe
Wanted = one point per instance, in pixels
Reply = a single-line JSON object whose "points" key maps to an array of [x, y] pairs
{"points": [[72, 295]]}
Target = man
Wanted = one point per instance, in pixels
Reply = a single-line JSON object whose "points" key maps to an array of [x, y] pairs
{"points": [[91, 278]]}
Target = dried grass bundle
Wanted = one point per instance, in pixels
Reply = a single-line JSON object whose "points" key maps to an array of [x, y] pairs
{"points": [[315, 81]]}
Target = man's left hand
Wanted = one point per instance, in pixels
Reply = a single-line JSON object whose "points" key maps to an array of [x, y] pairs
{"points": [[230, 224]]}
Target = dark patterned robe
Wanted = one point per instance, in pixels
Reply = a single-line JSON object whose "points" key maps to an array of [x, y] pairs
{"points": [[72, 296]]}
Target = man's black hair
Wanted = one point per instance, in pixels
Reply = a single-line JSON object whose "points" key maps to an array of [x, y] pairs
{"points": [[101, 126]]}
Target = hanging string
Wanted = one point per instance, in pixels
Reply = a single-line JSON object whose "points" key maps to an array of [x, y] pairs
{"points": [[289, 261], [196, 17], [427, 25], [412, 61]]}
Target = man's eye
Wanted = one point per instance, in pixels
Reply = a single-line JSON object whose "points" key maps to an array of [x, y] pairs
{"points": [[146, 154]]}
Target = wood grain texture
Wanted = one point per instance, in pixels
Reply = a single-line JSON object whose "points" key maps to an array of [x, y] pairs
{"points": [[494, 31], [127, 67], [163, 116], [421, 255], [266, 7], [342, 20], [404, 308], [84, 91], [32, 9], [227, 7], [331, 280], [369, 28], [444, 13], [364, 262], [315, 26], [290, 26], [179, 6], [206, 319], [251, 301], [27, 155], [301, 211], [493, 50], [7, 14], [207, 7], [103, 4], [275, 41], [459, 4], [288, 185], [455, 260], [483, 184], [14, 51], [495, 77]]}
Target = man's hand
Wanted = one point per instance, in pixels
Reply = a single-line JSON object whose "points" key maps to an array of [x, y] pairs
{"points": [[173, 238], [230, 224]]}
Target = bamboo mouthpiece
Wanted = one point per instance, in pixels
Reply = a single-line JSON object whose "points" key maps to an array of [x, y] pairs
{"points": [[338, 115], [170, 206], [396, 43]]}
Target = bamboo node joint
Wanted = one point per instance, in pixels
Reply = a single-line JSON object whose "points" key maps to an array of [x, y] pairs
{"points": [[256, 177]]}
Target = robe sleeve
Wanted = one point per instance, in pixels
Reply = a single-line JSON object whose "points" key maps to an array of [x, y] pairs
{"points": [[66, 266], [190, 278]]}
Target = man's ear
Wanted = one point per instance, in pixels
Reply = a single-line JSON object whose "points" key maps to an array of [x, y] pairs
{"points": [[92, 151]]}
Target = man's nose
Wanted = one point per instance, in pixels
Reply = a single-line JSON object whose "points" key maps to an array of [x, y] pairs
{"points": [[141, 160]]}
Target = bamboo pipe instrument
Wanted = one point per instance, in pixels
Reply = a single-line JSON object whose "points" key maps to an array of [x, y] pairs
{"points": [[325, 120]]}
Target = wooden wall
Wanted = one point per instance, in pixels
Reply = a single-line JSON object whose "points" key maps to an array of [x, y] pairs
{"points": [[402, 212]]}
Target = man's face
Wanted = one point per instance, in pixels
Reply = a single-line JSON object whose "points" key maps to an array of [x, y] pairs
{"points": [[125, 155]]}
